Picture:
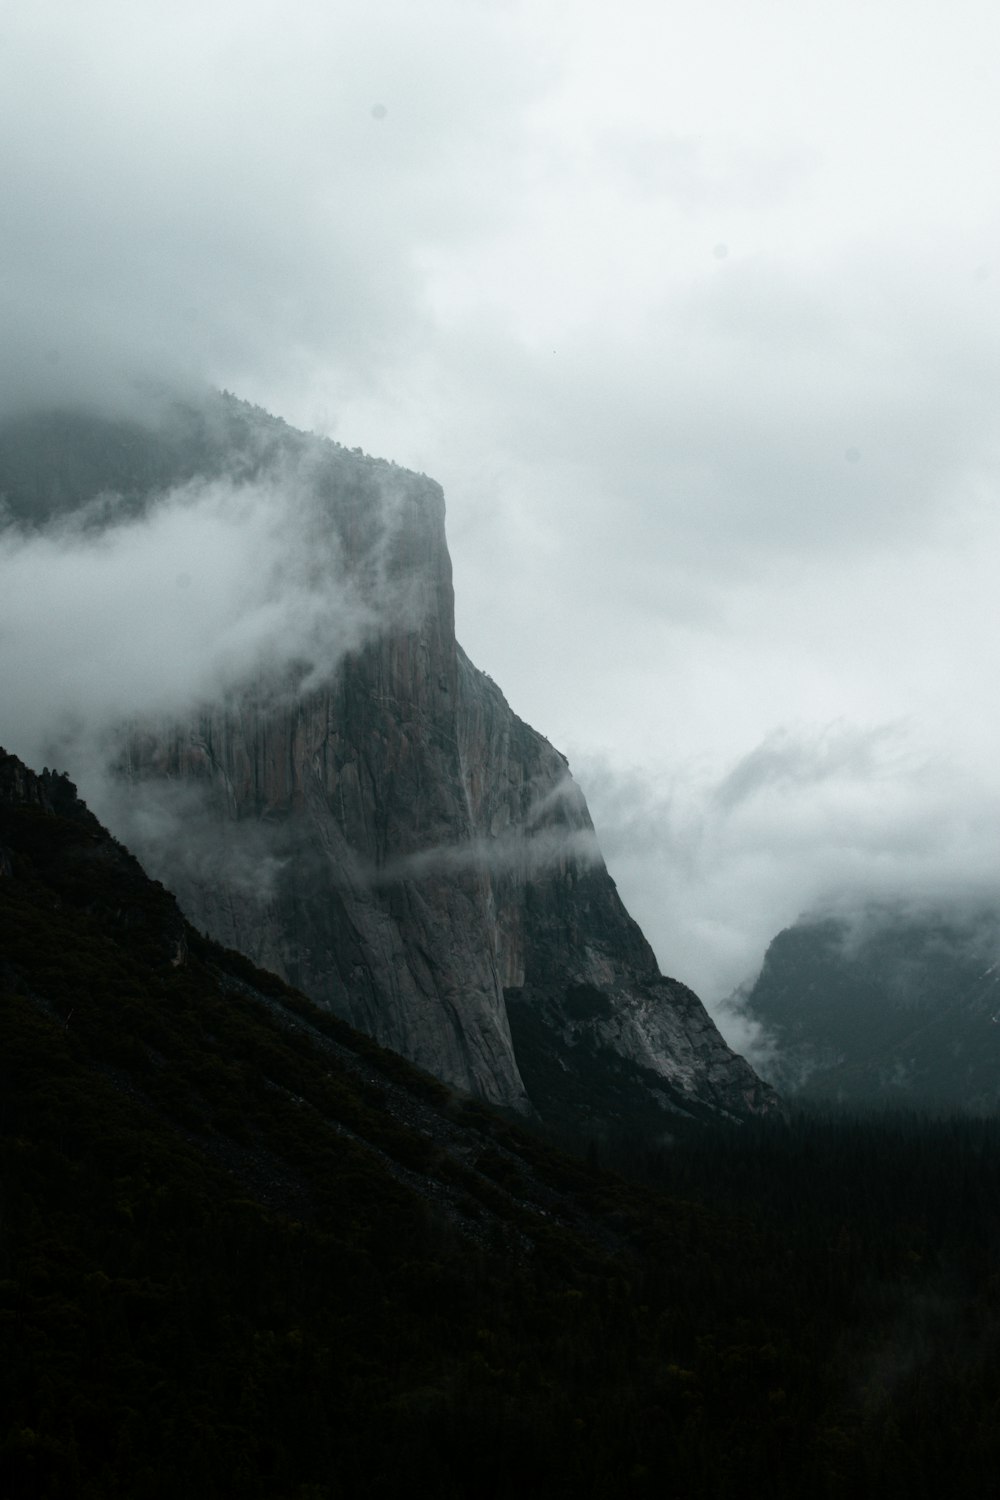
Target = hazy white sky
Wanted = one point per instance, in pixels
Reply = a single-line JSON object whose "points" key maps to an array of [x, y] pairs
{"points": [[693, 311]]}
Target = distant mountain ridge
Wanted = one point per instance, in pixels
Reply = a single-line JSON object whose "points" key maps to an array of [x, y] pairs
{"points": [[894, 1004], [391, 838]]}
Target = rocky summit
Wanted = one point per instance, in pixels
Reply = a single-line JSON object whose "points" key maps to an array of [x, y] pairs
{"points": [[363, 814], [884, 1004]]}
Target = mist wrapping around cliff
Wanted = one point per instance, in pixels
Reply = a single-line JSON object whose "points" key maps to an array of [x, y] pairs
{"points": [[835, 822], [530, 852], [108, 616], [183, 844], [695, 318]]}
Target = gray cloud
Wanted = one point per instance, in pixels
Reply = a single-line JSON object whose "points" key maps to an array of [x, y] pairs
{"points": [[788, 763], [205, 193], [693, 497], [722, 440], [218, 583], [713, 867], [528, 852], [174, 828]]}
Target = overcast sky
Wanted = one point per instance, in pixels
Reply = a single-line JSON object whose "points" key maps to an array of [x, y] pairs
{"points": [[692, 309]]}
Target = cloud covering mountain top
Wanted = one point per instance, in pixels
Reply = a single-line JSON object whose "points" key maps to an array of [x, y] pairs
{"points": [[695, 318]]}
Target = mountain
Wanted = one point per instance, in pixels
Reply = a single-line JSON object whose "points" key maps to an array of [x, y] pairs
{"points": [[358, 809], [893, 1005], [243, 1249]]}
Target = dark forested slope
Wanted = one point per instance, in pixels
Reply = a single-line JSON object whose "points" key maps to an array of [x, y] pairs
{"points": [[244, 1250]]}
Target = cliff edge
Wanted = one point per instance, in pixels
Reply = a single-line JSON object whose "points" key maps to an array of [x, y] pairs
{"points": [[369, 819]]}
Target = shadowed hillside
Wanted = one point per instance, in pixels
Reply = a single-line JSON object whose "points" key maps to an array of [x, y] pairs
{"points": [[245, 1250]]}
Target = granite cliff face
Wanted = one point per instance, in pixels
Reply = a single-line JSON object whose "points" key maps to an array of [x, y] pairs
{"points": [[387, 835]]}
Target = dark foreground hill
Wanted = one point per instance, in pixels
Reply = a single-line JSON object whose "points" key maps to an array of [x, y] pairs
{"points": [[244, 1251]]}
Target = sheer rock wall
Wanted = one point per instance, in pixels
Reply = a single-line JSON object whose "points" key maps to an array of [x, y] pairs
{"points": [[388, 835]]}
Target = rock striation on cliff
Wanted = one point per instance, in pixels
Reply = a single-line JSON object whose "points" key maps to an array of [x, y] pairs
{"points": [[369, 819]]}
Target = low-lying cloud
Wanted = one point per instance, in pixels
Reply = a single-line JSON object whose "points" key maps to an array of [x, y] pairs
{"points": [[208, 192], [180, 831], [111, 617], [714, 866], [706, 364], [526, 852]]}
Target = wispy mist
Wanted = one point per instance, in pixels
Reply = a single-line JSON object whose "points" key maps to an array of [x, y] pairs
{"points": [[832, 821], [705, 363], [523, 852], [108, 617]]}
